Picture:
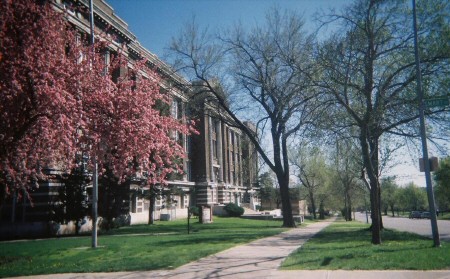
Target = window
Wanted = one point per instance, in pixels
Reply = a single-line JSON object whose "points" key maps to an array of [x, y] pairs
{"points": [[107, 60], [216, 174], [189, 170], [174, 113], [186, 201], [183, 202], [118, 73], [78, 43], [214, 148], [139, 206], [174, 109], [69, 7], [187, 144]]}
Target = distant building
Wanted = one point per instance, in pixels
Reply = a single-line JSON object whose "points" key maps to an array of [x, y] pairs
{"points": [[272, 201]]}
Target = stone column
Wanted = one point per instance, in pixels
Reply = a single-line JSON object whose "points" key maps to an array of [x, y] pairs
{"points": [[240, 162], [211, 154], [220, 150], [226, 153]]}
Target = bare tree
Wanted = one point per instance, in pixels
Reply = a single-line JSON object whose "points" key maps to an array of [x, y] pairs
{"points": [[369, 72], [267, 75]]}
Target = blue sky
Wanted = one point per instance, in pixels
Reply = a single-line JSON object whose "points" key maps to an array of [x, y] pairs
{"points": [[155, 22]]}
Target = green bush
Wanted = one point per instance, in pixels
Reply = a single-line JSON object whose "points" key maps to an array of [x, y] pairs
{"points": [[234, 210], [194, 211]]}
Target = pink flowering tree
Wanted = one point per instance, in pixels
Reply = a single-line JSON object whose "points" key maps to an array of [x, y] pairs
{"points": [[141, 137], [38, 109], [126, 132], [58, 99]]}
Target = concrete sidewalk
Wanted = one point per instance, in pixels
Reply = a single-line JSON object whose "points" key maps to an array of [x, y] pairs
{"points": [[257, 259]]}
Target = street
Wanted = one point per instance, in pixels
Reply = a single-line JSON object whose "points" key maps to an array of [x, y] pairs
{"points": [[418, 226]]}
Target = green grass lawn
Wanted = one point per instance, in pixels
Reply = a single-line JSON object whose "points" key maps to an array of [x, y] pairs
{"points": [[346, 245], [444, 216], [164, 245]]}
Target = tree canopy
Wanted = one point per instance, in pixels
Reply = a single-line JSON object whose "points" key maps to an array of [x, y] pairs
{"points": [[442, 178], [368, 71], [267, 71]]}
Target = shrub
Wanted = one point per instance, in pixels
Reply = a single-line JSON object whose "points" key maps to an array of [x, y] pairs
{"points": [[194, 211], [234, 210]]}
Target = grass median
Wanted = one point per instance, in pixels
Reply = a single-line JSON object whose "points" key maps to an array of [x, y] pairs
{"points": [[346, 245], [165, 245]]}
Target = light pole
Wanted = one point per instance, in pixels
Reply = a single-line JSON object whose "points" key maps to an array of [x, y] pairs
{"points": [[434, 227], [95, 182]]}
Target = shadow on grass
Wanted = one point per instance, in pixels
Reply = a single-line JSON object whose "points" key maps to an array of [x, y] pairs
{"points": [[203, 238], [326, 261], [180, 226], [348, 246]]}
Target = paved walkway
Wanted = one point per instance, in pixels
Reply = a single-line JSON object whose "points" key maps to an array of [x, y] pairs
{"points": [[257, 259]]}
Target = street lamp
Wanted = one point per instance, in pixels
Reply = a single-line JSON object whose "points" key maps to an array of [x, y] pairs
{"points": [[434, 227]]}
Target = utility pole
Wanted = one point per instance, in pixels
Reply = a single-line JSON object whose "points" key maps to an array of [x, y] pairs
{"points": [[95, 178], [434, 227]]}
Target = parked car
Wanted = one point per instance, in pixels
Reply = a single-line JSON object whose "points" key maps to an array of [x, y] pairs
{"points": [[425, 215], [415, 214]]}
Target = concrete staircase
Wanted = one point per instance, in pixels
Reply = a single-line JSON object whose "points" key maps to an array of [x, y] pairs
{"points": [[249, 211]]}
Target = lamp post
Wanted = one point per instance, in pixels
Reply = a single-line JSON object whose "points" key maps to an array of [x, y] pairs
{"points": [[95, 182], [94, 206], [434, 227]]}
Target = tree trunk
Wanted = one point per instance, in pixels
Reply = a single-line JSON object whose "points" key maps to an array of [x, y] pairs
{"points": [[376, 224], [349, 208], [107, 206], [77, 223], [379, 204], [151, 208], [321, 211], [281, 169], [288, 219], [313, 206], [13, 207], [3, 194], [370, 160], [278, 202]]}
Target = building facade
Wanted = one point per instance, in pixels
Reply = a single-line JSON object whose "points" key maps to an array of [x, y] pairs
{"points": [[223, 160], [220, 166]]}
